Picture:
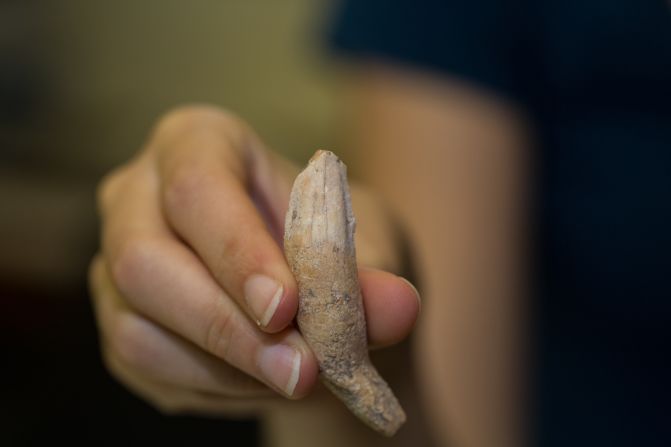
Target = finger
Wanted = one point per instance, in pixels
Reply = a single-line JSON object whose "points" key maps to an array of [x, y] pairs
{"points": [[174, 400], [205, 174], [158, 354], [391, 304], [162, 279]]}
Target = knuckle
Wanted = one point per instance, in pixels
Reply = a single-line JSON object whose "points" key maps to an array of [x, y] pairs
{"points": [[187, 117], [128, 342], [197, 124], [131, 259], [109, 186]]}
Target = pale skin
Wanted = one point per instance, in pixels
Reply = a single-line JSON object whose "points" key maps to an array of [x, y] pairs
{"points": [[195, 219]]}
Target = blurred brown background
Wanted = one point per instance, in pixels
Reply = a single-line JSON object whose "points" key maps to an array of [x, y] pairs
{"points": [[80, 84]]}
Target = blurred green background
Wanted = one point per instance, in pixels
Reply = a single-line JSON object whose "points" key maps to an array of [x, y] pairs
{"points": [[85, 80], [81, 83]]}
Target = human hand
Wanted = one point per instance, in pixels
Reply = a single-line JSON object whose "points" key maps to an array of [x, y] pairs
{"points": [[193, 296]]}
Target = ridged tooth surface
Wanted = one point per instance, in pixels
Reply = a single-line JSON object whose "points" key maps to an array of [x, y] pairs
{"points": [[319, 245]]}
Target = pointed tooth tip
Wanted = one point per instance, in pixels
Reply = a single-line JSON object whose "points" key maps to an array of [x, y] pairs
{"points": [[322, 153]]}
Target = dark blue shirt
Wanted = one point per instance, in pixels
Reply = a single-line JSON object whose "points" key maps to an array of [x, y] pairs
{"points": [[595, 80]]}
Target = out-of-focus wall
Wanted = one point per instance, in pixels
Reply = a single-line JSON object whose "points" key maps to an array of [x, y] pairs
{"points": [[120, 64], [97, 74]]}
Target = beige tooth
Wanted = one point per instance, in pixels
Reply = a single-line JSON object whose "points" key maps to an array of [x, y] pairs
{"points": [[319, 245]]}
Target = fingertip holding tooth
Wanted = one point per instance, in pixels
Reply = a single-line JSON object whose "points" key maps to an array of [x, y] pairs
{"points": [[280, 366], [414, 289]]}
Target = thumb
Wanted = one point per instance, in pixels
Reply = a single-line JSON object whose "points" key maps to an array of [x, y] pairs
{"points": [[392, 305]]}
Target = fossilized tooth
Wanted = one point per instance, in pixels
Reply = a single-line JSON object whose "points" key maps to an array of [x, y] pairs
{"points": [[319, 245]]}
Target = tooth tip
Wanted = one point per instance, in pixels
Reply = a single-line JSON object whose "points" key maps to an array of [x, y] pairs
{"points": [[318, 154], [322, 153]]}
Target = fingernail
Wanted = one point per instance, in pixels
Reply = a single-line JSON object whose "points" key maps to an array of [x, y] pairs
{"points": [[263, 295], [414, 289], [281, 366]]}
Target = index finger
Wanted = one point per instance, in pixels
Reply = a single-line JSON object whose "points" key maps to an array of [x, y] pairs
{"points": [[207, 188]]}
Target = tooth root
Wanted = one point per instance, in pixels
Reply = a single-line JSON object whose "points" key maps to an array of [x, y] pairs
{"points": [[319, 245]]}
